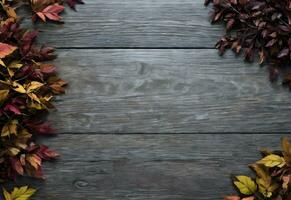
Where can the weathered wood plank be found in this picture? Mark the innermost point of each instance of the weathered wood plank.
(134, 23)
(167, 91)
(148, 167)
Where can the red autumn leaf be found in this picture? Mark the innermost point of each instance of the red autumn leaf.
(48, 69)
(6, 50)
(47, 52)
(16, 165)
(27, 40)
(12, 108)
(45, 153)
(51, 12)
(41, 128)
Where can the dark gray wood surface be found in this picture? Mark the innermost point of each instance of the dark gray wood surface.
(148, 166)
(148, 67)
(167, 91)
(135, 23)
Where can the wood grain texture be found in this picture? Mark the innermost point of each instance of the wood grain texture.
(148, 167)
(167, 91)
(134, 23)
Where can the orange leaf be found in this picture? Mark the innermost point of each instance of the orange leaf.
(6, 49)
(232, 197)
(41, 15)
(34, 160)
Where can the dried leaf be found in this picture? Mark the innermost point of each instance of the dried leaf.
(6, 194)
(21, 193)
(272, 161)
(245, 185)
(51, 12)
(3, 95)
(9, 128)
(233, 197)
(6, 50)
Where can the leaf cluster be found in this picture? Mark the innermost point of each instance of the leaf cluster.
(28, 85)
(273, 177)
(257, 28)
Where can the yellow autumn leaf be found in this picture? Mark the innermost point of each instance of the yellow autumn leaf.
(34, 85)
(19, 193)
(18, 88)
(266, 188)
(272, 160)
(3, 95)
(22, 137)
(34, 97)
(47, 98)
(2, 63)
(6, 194)
(10, 72)
(36, 106)
(22, 193)
(245, 185)
(13, 151)
(10, 12)
(15, 64)
(9, 128)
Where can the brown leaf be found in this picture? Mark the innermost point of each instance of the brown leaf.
(6, 50)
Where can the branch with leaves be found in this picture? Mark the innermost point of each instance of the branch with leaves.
(259, 29)
(273, 177)
(28, 84)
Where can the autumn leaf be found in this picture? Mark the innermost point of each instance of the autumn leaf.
(248, 198)
(18, 87)
(232, 197)
(9, 128)
(10, 11)
(245, 185)
(17, 166)
(6, 50)
(51, 12)
(34, 85)
(266, 188)
(272, 161)
(3, 95)
(15, 64)
(12, 108)
(6, 194)
(19, 193)
(34, 160)
(13, 151)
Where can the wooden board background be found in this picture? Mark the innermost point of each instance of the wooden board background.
(152, 112)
